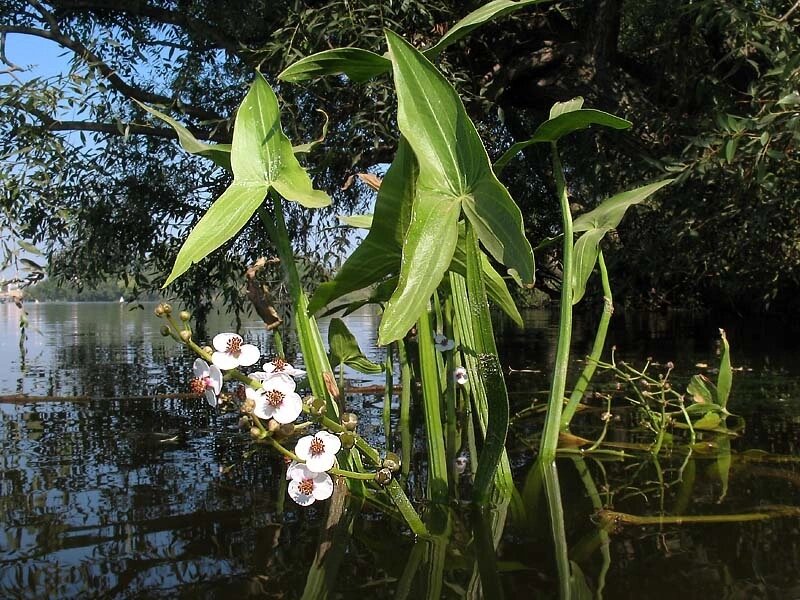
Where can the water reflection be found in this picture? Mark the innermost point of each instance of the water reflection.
(122, 498)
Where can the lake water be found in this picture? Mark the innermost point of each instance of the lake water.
(108, 492)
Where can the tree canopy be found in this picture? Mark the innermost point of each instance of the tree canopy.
(101, 188)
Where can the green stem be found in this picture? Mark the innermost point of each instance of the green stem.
(405, 408)
(549, 442)
(387, 396)
(334, 471)
(552, 491)
(597, 348)
(432, 398)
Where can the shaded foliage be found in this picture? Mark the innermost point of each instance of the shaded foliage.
(708, 85)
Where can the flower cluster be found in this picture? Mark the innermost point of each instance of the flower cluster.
(275, 399)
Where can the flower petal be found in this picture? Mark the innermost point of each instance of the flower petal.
(249, 355)
(290, 469)
(288, 410)
(211, 398)
(321, 462)
(216, 378)
(220, 341)
(323, 487)
(279, 381)
(303, 447)
(200, 368)
(297, 496)
(300, 472)
(332, 442)
(224, 361)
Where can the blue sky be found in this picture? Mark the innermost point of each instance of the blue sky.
(45, 57)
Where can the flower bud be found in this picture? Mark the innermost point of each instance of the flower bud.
(384, 476)
(255, 432)
(318, 407)
(286, 429)
(186, 335)
(248, 406)
(164, 330)
(392, 462)
(167, 308)
(273, 426)
(185, 315)
(208, 350)
(348, 439)
(159, 311)
(349, 421)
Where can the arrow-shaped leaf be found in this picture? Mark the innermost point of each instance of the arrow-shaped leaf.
(565, 117)
(454, 170)
(357, 64)
(261, 158)
(220, 154)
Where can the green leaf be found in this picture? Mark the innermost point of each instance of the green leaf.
(585, 256)
(596, 223)
(29, 248)
(427, 252)
(261, 158)
(725, 377)
(378, 256)
(566, 120)
(357, 64)
(560, 108)
(357, 221)
(730, 149)
(699, 391)
(709, 421)
(610, 212)
(790, 99)
(226, 217)
(454, 166)
(479, 16)
(219, 154)
(344, 349)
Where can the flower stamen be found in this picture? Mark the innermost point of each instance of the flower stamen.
(234, 346)
(275, 397)
(317, 447)
(279, 364)
(197, 385)
(306, 487)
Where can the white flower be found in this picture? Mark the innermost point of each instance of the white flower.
(460, 375)
(442, 343)
(306, 486)
(279, 366)
(207, 380)
(278, 400)
(231, 352)
(319, 451)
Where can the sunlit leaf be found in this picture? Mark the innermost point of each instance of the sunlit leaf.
(610, 212)
(261, 158)
(710, 420)
(357, 64)
(454, 172)
(357, 221)
(220, 154)
(481, 15)
(427, 252)
(567, 119)
(29, 248)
